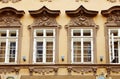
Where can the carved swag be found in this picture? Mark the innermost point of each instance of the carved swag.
(81, 17)
(10, 17)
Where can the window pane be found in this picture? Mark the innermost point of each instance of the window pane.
(114, 32)
(12, 33)
(49, 32)
(87, 51)
(76, 33)
(2, 51)
(115, 58)
(49, 51)
(3, 34)
(39, 33)
(12, 53)
(77, 51)
(86, 32)
(39, 54)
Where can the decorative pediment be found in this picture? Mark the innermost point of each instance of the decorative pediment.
(113, 1)
(10, 17)
(13, 1)
(81, 17)
(45, 17)
(113, 16)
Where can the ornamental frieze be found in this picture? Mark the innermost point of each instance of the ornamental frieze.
(13, 1)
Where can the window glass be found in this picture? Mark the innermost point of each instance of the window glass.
(82, 46)
(8, 46)
(114, 45)
(44, 48)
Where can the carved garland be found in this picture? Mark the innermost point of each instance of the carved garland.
(43, 70)
(82, 70)
(10, 70)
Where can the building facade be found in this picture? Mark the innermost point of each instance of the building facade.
(59, 39)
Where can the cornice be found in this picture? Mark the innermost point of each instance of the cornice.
(44, 10)
(81, 11)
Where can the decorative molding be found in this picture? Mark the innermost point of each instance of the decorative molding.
(82, 70)
(10, 17)
(82, 0)
(81, 17)
(115, 69)
(9, 70)
(43, 70)
(45, 17)
(113, 16)
(13, 1)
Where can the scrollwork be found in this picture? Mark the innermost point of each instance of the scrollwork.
(81, 70)
(43, 70)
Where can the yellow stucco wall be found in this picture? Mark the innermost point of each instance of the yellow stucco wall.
(62, 20)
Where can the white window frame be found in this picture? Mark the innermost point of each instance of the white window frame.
(7, 40)
(111, 45)
(44, 39)
(81, 39)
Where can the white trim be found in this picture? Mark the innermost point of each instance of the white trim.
(45, 39)
(81, 39)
